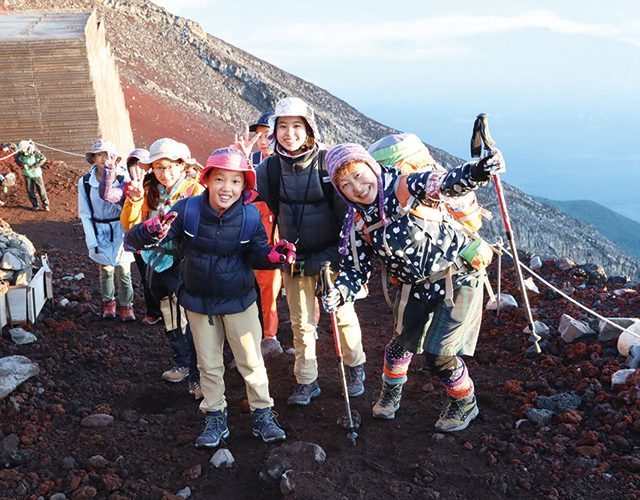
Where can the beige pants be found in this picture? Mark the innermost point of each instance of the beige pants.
(243, 332)
(301, 299)
(170, 312)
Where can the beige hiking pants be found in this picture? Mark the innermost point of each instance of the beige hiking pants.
(301, 300)
(243, 332)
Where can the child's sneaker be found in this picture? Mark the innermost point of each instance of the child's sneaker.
(266, 426)
(151, 320)
(176, 374)
(127, 314)
(215, 429)
(109, 309)
(196, 389)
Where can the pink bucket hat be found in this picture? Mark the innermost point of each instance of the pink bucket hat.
(140, 154)
(232, 160)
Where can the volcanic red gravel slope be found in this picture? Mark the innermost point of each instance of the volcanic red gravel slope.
(92, 366)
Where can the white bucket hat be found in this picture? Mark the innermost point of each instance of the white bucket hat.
(294, 106)
(169, 149)
(102, 146)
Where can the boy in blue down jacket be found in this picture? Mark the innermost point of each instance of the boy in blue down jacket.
(439, 267)
(221, 240)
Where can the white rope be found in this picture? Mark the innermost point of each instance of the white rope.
(9, 156)
(585, 308)
(59, 150)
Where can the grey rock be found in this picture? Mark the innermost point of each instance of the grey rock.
(11, 262)
(287, 484)
(608, 332)
(184, 493)
(58, 496)
(539, 416)
(222, 457)
(571, 329)
(535, 263)
(14, 370)
(68, 463)
(506, 300)
(97, 420)
(299, 455)
(620, 377)
(10, 443)
(564, 264)
(558, 403)
(541, 329)
(21, 336)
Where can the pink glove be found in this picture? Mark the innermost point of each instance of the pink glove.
(159, 226)
(282, 252)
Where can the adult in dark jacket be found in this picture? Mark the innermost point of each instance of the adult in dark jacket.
(294, 186)
(218, 287)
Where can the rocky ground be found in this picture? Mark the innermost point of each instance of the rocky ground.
(586, 448)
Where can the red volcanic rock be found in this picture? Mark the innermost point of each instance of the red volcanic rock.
(513, 386)
(570, 417)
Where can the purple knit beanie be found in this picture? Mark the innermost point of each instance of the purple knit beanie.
(339, 155)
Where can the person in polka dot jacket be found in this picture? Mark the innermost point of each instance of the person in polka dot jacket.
(438, 265)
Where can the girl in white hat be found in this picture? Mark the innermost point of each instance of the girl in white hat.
(147, 197)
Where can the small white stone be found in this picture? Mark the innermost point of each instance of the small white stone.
(620, 377)
(222, 457)
(79, 276)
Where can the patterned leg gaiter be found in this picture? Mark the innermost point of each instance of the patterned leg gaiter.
(458, 384)
(396, 363)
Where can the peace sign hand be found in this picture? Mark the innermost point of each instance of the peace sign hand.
(135, 189)
(243, 143)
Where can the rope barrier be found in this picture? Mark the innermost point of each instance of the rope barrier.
(58, 150)
(583, 307)
(8, 156)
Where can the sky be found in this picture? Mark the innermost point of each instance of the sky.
(560, 80)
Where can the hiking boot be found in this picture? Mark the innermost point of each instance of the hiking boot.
(303, 394)
(388, 401)
(47, 209)
(196, 390)
(109, 309)
(35, 209)
(215, 429)
(176, 374)
(126, 314)
(457, 414)
(151, 320)
(355, 387)
(266, 426)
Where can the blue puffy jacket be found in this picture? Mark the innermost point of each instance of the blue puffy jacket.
(216, 274)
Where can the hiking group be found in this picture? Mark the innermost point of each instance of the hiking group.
(214, 245)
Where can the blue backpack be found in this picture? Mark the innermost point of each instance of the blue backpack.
(250, 221)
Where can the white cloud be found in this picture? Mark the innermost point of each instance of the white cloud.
(416, 40)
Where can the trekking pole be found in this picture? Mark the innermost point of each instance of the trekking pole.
(480, 138)
(326, 285)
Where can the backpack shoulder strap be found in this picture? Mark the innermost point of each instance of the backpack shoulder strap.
(273, 184)
(256, 157)
(191, 217)
(325, 181)
(250, 221)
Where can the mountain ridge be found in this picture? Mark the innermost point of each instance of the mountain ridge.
(215, 88)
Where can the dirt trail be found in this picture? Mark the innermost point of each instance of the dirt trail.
(92, 366)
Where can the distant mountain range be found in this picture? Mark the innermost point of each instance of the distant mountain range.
(623, 231)
(182, 82)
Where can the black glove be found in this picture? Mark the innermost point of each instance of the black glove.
(492, 164)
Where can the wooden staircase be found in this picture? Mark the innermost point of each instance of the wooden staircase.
(59, 84)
